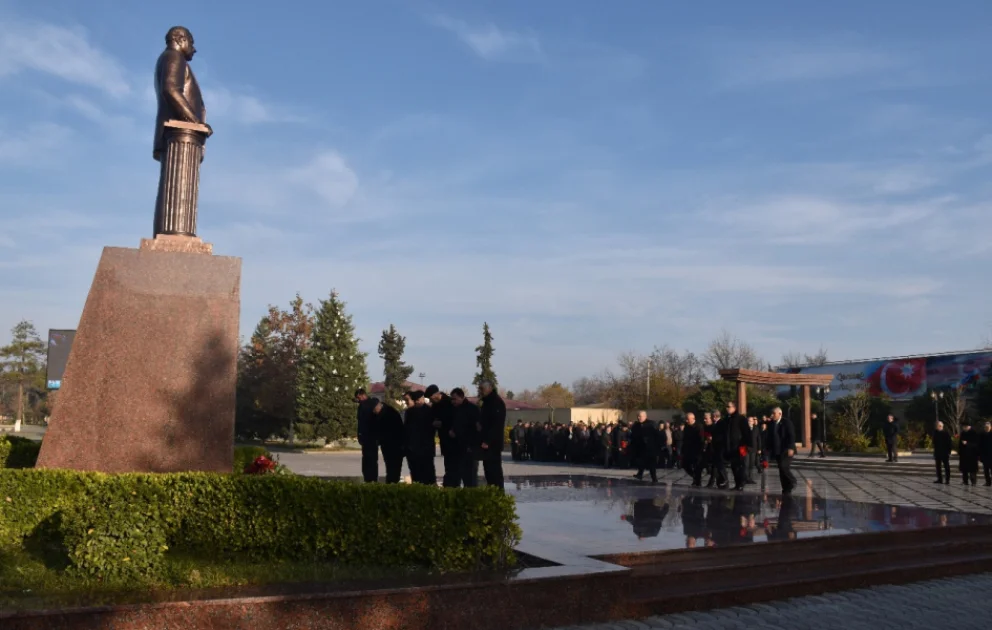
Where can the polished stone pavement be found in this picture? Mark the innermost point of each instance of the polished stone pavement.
(572, 514)
(898, 490)
(960, 603)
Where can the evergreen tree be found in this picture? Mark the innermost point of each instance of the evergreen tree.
(22, 363)
(331, 370)
(394, 371)
(484, 359)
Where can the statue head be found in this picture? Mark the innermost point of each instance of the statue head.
(179, 38)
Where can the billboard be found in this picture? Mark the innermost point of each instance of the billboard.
(59, 344)
(904, 378)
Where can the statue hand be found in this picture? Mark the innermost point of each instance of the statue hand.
(211, 130)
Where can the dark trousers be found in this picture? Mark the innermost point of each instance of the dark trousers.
(750, 463)
(943, 464)
(394, 465)
(468, 464)
(969, 475)
(492, 468)
(892, 450)
(370, 462)
(422, 468)
(719, 473)
(647, 462)
(785, 474)
(987, 468)
(452, 469)
(664, 460)
(694, 468)
(813, 449)
(737, 468)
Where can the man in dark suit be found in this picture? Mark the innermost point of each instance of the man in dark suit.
(368, 436)
(644, 443)
(737, 442)
(392, 439)
(985, 451)
(465, 424)
(493, 426)
(443, 412)
(783, 449)
(891, 433)
(692, 449)
(942, 453)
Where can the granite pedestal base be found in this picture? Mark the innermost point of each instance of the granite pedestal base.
(150, 381)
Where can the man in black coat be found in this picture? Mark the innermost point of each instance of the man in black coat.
(692, 449)
(738, 438)
(968, 444)
(718, 452)
(985, 452)
(816, 428)
(753, 448)
(392, 439)
(783, 448)
(518, 435)
(493, 429)
(942, 453)
(367, 436)
(444, 412)
(420, 431)
(644, 442)
(465, 424)
(891, 433)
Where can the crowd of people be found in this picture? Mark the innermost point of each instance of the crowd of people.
(745, 445)
(468, 433)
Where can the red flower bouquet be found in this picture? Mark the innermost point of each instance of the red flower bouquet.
(742, 451)
(260, 466)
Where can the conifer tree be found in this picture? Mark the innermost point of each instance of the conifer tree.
(331, 370)
(484, 359)
(394, 370)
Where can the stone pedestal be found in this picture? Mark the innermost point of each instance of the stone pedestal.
(150, 381)
(179, 180)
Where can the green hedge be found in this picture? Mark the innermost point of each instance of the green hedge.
(18, 452)
(244, 455)
(118, 526)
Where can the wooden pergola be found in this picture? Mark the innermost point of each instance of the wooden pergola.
(804, 381)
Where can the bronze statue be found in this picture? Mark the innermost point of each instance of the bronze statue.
(180, 134)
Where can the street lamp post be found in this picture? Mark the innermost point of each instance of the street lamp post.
(422, 376)
(936, 397)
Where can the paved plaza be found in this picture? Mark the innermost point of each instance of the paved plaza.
(960, 603)
(898, 490)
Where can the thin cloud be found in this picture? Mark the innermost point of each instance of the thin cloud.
(756, 64)
(35, 145)
(59, 51)
(491, 42)
(246, 109)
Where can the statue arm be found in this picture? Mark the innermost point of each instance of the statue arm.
(173, 84)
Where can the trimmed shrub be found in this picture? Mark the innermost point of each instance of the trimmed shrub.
(245, 455)
(18, 452)
(118, 526)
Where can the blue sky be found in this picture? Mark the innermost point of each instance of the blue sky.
(589, 177)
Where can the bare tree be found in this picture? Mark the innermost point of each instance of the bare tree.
(728, 352)
(855, 412)
(626, 388)
(955, 410)
(792, 360)
(589, 390)
(818, 359)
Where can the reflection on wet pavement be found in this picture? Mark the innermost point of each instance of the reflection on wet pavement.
(591, 516)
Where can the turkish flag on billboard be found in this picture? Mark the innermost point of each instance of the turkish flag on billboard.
(901, 379)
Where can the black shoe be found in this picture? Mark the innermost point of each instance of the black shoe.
(947, 483)
(939, 481)
(988, 483)
(710, 484)
(639, 477)
(722, 486)
(696, 485)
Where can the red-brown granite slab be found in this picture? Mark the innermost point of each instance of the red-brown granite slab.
(150, 381)
(177, 243)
